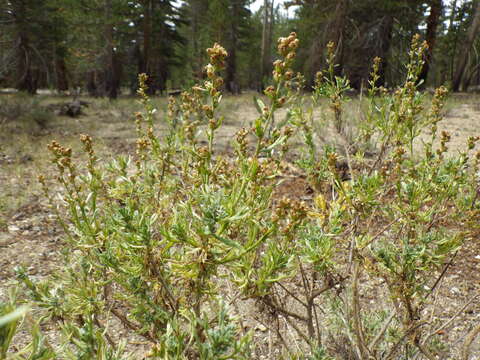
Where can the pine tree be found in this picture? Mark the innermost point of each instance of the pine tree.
(229, 25)
(360, 30)
(433, 20)
(267, 37)
(472, 33)
(35, 37)
(156, 23)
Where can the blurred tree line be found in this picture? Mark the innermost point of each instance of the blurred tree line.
(101, 45)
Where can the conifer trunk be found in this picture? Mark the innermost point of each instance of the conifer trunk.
(231, 62)
(25, 75)
(267, 34)
(387, 29)
(144, 64)
(336, 33)
(467, 45)
(111, 79)
(61, 74)
(433, 20)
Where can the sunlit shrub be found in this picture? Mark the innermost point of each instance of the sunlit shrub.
(168, 243)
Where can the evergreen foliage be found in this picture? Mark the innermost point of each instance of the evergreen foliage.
(102, 45)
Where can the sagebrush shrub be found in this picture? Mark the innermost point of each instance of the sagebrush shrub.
(170, 243)
(24, 109)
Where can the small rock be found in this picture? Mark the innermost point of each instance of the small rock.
(13, 228)
(261, 328)
(18, 216)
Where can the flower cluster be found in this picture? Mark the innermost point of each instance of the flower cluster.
(217, 56)
(287, 49)
(62, 156)
(214, 82)
(293, 212)
(438, 102)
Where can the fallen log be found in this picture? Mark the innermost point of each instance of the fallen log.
(174, 92)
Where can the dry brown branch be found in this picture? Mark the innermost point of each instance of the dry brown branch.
(469, 340)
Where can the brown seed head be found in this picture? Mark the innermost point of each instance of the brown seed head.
(217, 55)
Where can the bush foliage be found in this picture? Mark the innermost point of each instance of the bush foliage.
(186, 248)
(25, 109)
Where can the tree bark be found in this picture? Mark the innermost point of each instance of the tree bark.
(198, 9)
(467, 46)
(61, 74)
(336, 30)
(267, 30)
(451, 27)
(25, 74)
(436, 8)
(145, 63)
(92, 87)
(231, 62)
(111, 77)
(386, 41)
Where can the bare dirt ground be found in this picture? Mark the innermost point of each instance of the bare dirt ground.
(30, 236)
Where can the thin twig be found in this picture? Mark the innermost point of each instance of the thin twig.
(317, 324)
(283, 311)
(131, 325)
(350, 336)
(292, 294)
(444, 325)
(442, 274)
(349, 160)
(279, 335)
(306, 284)
(378, 234)
(357, 321)
(395, 347)
(327, 287)
(426, 352)
(469, 340)
(107, 335)
(297, 329)
(374, 343)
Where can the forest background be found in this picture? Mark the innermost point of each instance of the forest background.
(101, 46)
